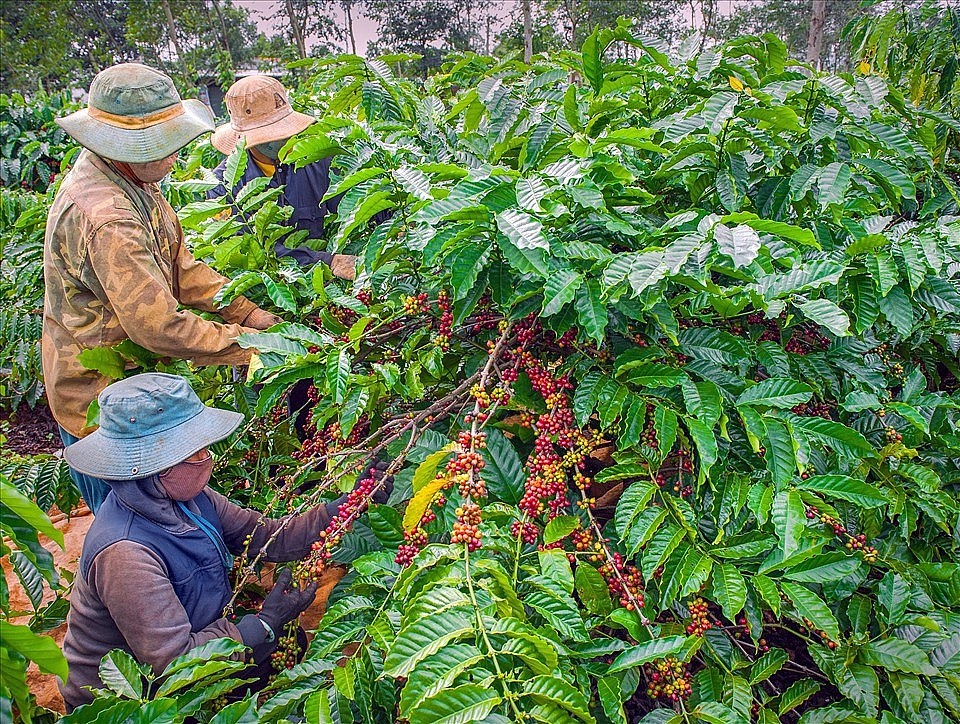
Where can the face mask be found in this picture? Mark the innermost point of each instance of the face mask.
(185, 480)
(271, 149)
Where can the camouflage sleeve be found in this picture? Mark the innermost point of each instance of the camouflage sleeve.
(197, 285)
(120, 254)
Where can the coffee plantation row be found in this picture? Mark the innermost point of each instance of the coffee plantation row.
(663, 353)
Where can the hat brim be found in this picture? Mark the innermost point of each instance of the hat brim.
(139, 145)
(113, 458)
(225, 138)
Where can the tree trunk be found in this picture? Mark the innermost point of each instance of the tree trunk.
(818, 14)
(223, 31)
(527, 32)
(572, 11)
(172, 30)
(295, 29)
(708, 12)
(348, 10)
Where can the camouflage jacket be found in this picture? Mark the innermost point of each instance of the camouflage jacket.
(115, 267)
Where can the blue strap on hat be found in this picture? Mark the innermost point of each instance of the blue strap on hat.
(212, 533)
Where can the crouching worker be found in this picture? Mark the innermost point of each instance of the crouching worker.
(152, 577)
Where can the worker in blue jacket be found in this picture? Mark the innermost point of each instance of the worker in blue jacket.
(261, 114)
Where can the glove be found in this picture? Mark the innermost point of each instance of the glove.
(285, 602)
(282, 605)
(375, 469)
(260, 319)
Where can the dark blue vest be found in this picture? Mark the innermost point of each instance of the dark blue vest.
(303, 189)
(193, 563)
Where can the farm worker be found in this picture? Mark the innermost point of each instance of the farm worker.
(261, 114)
(152, 577)
(115, 264)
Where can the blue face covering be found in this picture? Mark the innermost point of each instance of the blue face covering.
(271, 149)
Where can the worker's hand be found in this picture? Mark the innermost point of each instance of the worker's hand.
(285, 602)
(260, 319)
(375, 469)
(344, 266)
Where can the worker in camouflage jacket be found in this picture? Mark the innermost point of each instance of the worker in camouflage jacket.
(261, 115)
(115, 263)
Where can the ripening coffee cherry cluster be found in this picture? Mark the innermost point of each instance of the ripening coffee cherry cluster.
(415, 304)
(413, 541)
(329, 439)
(892, 435)
(568, 339)
(770, 327)
(649, 435)
(466, 529)
(582, 539)
(528, 532)
(285, 655)
(466, 440)
(806, 339)
(699, 617)
(445, 328)
(480, 396)
(364, 296)
(483, 320)
(668, 679)
(356, 503)
(852, 542)
(889, 358)
(822, 634)
(560, 447)
(527, 329)
(464, 468)
(813, 409)
(624, 581)
(345, 316)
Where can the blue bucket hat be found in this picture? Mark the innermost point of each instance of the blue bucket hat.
(148, 423)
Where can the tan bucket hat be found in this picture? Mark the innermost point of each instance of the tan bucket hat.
(135, 115)
(260, 112)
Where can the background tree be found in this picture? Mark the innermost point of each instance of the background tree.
(51, 44)
(431, 29)
(566, 23)
(310, 25)
(818, 15)
(790, 20)
(195, 40)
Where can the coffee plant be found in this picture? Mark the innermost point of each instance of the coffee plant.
(664, 355)
(22, 215)
(23, 642)
(32, 146)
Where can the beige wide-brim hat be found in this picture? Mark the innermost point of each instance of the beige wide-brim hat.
(260, 112)
(135, 115)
